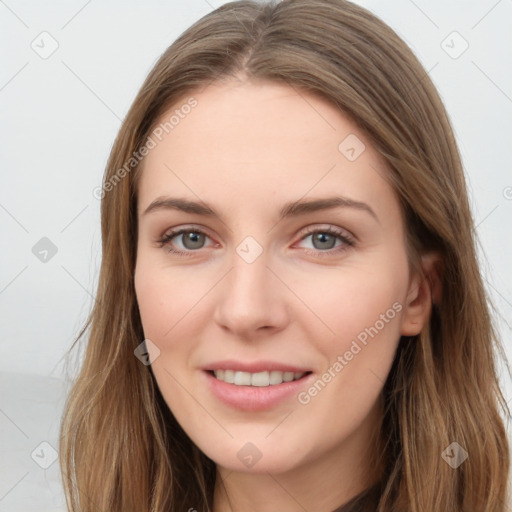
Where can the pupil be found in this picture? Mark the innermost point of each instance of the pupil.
(322, 238)
(194, 239)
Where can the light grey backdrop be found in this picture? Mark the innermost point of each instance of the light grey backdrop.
(69, 73)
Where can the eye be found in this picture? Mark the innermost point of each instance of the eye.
(191, 239)
(324, 241)
(327, 241)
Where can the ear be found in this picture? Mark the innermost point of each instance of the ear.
(424, 290)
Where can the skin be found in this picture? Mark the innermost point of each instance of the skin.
(246, 149)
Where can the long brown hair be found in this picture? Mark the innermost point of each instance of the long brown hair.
(121, 448)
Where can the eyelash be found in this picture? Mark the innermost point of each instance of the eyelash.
(348, 241)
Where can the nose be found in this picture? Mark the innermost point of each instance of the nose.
(252, 301)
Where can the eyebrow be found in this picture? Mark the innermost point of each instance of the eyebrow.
(291, 209)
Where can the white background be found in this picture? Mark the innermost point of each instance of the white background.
(59, 119)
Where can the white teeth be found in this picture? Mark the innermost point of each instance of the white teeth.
(288, 376)
(259, 379)
(276, 378)
(242, 379)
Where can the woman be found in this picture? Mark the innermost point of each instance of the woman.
(290, 314)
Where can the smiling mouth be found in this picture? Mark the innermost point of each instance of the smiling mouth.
(257, 379)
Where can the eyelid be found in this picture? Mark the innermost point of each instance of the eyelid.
(328, 228)
(185, 227)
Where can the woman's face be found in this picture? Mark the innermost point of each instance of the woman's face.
(292, 265)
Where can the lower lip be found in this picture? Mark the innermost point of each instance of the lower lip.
(255, 398)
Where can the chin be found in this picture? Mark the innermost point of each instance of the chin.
(257, 457)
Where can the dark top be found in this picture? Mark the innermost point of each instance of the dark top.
(366, 501)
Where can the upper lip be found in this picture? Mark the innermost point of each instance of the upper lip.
(254, 366)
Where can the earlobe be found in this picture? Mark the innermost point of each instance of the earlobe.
(424, 291)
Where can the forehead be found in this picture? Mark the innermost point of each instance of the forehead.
(252, 139)
(235, 114)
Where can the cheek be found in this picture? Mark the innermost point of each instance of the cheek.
(165, 303)
(351, 303)
(370, 318)
(166, 299)
(364, 311)
(356, 328)
(152, 300)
